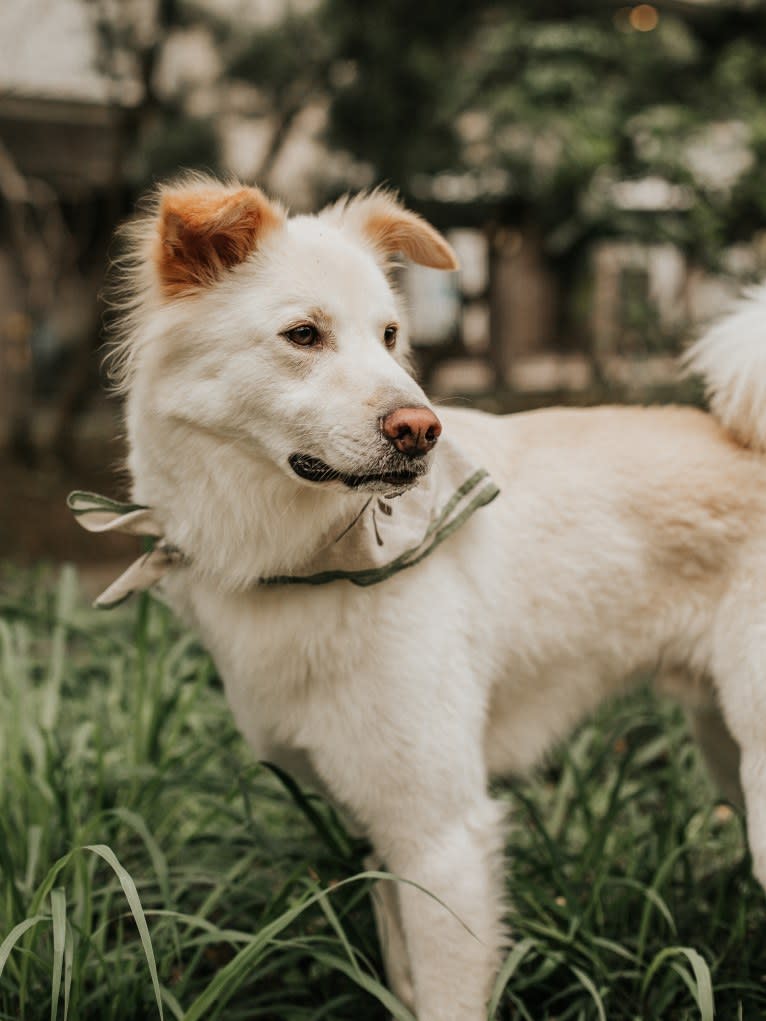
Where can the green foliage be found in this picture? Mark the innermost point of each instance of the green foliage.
(572, 107)
(177, 142)
(537, 109)
(148, 865)
(136, 832)
(534, 110)
(394, 109)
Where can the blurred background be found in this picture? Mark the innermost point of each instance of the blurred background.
(597, 165)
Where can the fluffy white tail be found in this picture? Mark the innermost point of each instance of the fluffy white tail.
(731, 357)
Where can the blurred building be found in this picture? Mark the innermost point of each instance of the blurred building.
(64, 126)
(633, 306)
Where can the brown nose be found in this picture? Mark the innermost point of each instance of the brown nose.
(413, 431)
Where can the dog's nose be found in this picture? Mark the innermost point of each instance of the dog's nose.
(413, 431)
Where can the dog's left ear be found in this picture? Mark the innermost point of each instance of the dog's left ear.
(390, 228)
(205, 228)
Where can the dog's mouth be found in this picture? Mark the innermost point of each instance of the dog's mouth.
(313, 469)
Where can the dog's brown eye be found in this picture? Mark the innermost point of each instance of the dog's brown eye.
(389, 335)
(304, 335)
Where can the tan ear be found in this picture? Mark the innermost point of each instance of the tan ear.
(391, 228)
(205, 229)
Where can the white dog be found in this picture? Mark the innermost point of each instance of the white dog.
(387, 629)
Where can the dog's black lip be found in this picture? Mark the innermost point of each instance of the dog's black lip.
(315, 470)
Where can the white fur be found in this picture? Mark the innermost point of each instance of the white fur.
(732, 359)
(623, 540)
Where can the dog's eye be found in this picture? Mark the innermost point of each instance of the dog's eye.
(389, 335)
(304, 335)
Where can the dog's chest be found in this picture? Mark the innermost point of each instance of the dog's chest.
(282, 650)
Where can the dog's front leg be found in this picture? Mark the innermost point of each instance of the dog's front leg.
(388, 923)
(451, 910)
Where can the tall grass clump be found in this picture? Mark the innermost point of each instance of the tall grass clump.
(150, 868)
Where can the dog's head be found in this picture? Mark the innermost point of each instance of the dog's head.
(286, 333)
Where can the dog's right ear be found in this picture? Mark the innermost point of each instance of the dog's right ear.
(206, 228)
(388, 227)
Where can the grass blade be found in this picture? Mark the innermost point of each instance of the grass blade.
(131, 895)
(15, 935)
(58, 918)
(512, 962)
(368, 983)
(68, 964)
(704, 983)
(588, 984)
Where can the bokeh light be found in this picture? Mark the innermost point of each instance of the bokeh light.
(644, 18)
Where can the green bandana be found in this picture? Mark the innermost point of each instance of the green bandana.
(388, 535)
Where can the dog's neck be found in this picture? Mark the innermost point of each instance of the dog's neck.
(226, 507)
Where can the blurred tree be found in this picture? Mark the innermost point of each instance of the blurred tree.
(566, 120)
(59, 234)
(541, 109)
(576, 108)
(399, 81)
(290, 65)
(382, 70)
(133, 38)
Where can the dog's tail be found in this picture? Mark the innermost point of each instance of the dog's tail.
(731, 357)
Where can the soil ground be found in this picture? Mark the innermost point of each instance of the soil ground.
(35, 523)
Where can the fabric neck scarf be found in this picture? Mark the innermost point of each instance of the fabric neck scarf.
(388, 535)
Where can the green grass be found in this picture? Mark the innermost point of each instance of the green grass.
(145, 859)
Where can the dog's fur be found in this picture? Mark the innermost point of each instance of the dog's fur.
(624, 540)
